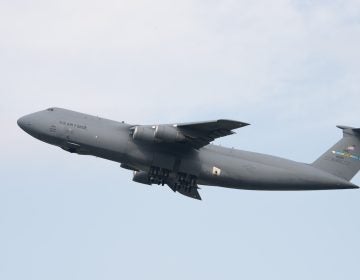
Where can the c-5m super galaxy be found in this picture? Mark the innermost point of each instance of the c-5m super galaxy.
(180, 155)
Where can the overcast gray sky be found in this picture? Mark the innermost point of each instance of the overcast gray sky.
(290, 68)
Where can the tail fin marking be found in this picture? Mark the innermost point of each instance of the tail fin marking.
(343, 159)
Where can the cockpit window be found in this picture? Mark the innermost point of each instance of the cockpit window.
(50, 109)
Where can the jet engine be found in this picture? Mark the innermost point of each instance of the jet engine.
(160, 133)
(168, 134)
(143, 133)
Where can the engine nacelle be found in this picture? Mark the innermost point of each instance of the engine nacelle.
(144, 133)
(168, 134)
(141, 177)
(160, 133)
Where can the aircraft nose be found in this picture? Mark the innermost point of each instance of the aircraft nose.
(25, 123)
(34, 124)
(22, 122)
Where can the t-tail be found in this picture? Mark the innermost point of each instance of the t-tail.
(343, 159)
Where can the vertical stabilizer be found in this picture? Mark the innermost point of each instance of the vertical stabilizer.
(343, 159)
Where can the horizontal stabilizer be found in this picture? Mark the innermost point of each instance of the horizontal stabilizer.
(350, 130)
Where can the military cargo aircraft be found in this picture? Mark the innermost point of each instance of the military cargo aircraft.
(181, 155)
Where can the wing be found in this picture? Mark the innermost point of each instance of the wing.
(202, 133)
(195, 135)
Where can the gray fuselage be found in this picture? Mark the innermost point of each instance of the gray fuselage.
(211, 165)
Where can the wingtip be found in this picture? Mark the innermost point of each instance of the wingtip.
(239, 123)
(343, 127)
(351, 186)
